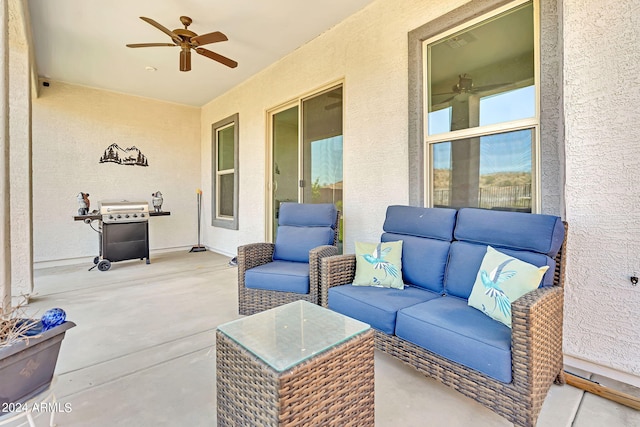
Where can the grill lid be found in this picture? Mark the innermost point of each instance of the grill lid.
(123, 210)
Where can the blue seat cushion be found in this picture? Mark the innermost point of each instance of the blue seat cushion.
(449, 327)
(424, 260)
(285, 276)
(465, 260)
(376, 306)
(434, 223)
(512, 230)
(294, 243)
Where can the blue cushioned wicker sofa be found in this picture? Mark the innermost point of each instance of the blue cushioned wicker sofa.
(429, 324)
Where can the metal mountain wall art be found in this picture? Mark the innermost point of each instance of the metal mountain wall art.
(131, 156)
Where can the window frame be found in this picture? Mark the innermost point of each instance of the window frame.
(532, 123)
(549, 152)
(217, 220)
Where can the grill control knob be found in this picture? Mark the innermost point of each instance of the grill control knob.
(126, 216)
(141, 215)
(110, 216)
(119, 216)
(135, 215)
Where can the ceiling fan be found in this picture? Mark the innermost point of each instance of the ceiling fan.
(465, 85)
(187, 40)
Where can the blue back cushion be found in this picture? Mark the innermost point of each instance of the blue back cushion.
(308, 214)
(532, 238)
(303, 227)
(514, 230)
(426, 234)
(465, 259)
(424, 261)
(434, 223)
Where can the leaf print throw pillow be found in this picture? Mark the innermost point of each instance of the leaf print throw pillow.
(501, 280)
(379, 264)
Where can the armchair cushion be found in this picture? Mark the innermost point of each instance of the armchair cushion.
(308, 214)
(302, 227)
(375, 306)
(449, 327)
(294, 243)
(285, 276)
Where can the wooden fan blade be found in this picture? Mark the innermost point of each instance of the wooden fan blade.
(176, 38)
(150, 44)
(203, 39)
(217, 57)
(185, 60)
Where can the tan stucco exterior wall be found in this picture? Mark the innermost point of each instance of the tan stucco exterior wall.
(601, 92)
(20, 151)
(72, 126)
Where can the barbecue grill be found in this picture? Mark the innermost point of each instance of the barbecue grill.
(125, 232)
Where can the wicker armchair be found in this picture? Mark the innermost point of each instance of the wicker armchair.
(271, 274)
(536, 347)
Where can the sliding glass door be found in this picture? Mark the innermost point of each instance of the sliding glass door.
(306, 153)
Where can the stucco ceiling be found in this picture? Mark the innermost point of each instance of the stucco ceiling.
(83, 41)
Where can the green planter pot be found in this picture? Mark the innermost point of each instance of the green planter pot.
(26, 367)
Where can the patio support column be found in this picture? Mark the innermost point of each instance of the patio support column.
(20, 177)
(5, 219)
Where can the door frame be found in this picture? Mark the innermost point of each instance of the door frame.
(269, 113)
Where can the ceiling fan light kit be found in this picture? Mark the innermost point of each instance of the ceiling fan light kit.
(187, 40)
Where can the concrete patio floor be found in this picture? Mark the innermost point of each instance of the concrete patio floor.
(143, 354)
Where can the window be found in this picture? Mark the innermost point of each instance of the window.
(482, 125)
(225, 173)
(479, 130)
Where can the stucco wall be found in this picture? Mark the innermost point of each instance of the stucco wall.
(20, 153)
(72, 126)
(601, 67)
(369, 52)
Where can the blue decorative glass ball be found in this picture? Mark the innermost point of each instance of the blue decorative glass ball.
(52, 318)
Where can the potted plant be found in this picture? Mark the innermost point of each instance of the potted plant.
(28, 353)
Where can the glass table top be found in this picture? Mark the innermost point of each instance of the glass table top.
(288, 335)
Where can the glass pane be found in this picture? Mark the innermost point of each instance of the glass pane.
(225, 194)
(285, 160)
(322, 145)
(288, 335)
(490, 172)
(480, 74)
(226, 142)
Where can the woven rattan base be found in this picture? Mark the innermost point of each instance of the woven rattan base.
(335, 388)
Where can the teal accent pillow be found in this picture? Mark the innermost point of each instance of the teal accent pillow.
(501, 280)
(379, 264)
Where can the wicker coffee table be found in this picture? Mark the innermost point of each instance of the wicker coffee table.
(297, 364)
